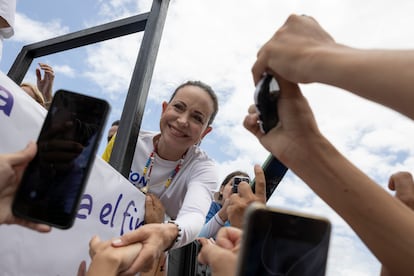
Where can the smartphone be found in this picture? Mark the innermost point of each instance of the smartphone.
(236, 181)
(280, 242)
(274, 171)
(266, 96)
(54, 180)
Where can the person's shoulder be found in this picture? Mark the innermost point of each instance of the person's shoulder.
(146, 134)
(144, 141)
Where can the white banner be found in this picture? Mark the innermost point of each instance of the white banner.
(110, 205)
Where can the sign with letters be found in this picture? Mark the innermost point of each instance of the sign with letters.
(110, 205)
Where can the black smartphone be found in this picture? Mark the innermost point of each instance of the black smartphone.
(266, 96)
(54, 180)
(280, 242)
(236, 181)
(274, 171)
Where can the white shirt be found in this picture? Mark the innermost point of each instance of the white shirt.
(188, 198)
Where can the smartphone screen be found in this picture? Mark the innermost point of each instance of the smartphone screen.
(277, 242)
(274, 171)
(54, 180)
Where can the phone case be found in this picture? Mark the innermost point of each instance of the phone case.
(281, 242)
(54, 180)
(274, 171)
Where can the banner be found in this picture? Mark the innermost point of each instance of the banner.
(110, 205)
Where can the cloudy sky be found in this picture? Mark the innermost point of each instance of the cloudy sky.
(216, 41)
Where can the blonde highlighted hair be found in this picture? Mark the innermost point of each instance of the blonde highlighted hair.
(38, 96)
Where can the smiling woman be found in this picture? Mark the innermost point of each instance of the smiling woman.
(170, 165)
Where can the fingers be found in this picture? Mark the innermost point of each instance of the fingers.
(251, 124)
(47, 69)
(94, 245)
(400, 178)
(244, 190)
(94, 242)
(260, 66)
(143, 263)
(41, 228)
(38, 74)
(403, 185)
(154, 210)
(127, 238)
(149, 203)
(229, 237)
(156, 202)
(23, 156)
(203, 256)
(260, 186)
(49, 75)
(82, 269)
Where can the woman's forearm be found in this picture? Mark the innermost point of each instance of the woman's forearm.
(383, 76)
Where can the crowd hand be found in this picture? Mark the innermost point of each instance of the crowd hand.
(154, 213)
(154, 210)
(155, 239)
(290, 51)
(12, 167)
(222, 254)
(403, 185)
(296, 128)
(108, 260)
(239, 202)
(45, 84)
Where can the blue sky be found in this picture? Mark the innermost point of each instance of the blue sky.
(216, 41)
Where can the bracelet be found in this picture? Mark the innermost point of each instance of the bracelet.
(219, 223)
(178, 235)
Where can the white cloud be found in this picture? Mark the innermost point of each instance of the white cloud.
(29, 31)
(110, 63)
(64, 70)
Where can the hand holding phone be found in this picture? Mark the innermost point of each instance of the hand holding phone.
(274, 171)
(266, 96)
(54, 180)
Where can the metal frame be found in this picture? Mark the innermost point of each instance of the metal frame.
(152, 23)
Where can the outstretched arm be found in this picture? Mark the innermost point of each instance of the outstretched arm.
(302, 52)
